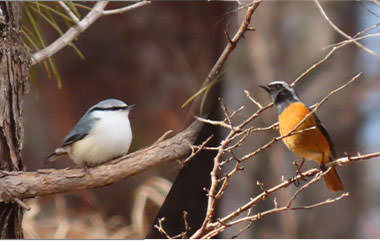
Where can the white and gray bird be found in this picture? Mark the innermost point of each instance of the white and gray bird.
(103, 133)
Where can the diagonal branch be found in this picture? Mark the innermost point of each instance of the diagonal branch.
(338, 30)
(70, 34)
(221, 224)
(125, 9)
(231, 45)
(96, 12)
(49, 181)
(69, 12)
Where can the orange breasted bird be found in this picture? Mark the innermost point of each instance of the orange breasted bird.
(312, 144)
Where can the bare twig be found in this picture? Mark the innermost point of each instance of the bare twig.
(231, 44)
(315, 65)
(251, 219)
(336, 47)
(196, 149)
(376, 2)
(164, 136)
(70, 34)
(161, 229)
(327, 201)
(126, 8)
(218, 185)
(213, 122)
(215, 228)
(316, 178)
(69, 12)
(356, 38)
(293, 131)
(338, 30)
(80, 26)
(252, 99)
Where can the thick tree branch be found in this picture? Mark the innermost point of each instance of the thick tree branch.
(48, 181)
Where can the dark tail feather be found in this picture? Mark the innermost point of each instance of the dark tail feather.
(55, 155)
(333, 181)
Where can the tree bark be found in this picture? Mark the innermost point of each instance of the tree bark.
(50, 181)
(14, 69)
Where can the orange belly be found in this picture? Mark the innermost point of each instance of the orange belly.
(310, 144)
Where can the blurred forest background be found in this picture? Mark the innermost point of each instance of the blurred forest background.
(156, 57)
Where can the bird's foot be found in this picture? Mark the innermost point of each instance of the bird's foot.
(86, 169)
(322, 166)
(299, 172)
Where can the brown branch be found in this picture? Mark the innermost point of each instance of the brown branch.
(231, 45)
(327, 201)
(45, 182)
(215, 227)
(260, 215)
(294, 130)
(96, 12)
(375, 2)
(126, 8)
(336, 47)
(214, 193)
(161, 229)
(338, 30)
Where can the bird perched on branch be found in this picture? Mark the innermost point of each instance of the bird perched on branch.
(312, 143)
(103, 133)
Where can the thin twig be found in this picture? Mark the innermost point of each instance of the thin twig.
(96, 12)
(161, 229)
(231, 45)
(327, 201)
(198, 149)
(69, 12)
(316, 178)
(371, 35)
(252, 99)
(164, 136)
(338, 30)
(70, 34)
(126, 8)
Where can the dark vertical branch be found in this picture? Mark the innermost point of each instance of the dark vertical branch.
(14, 66)
(187, 192)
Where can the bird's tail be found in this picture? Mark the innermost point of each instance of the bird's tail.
(56, 154)
(333, 181)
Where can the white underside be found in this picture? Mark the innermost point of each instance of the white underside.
(111, 137)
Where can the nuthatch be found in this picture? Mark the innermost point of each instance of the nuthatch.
(103, 133)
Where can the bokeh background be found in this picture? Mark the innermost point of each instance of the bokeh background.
(157, 57)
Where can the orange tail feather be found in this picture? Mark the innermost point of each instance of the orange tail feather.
(333, 181)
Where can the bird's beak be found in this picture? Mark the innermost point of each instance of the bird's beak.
(130, 107)
(266, 88)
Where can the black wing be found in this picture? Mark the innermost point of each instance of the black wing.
(70, 139)
(80, 130)
(325, 134)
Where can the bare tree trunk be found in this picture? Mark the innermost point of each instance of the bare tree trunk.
(14, 68)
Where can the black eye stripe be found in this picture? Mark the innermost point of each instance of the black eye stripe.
(109, 108)
(276, 86)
